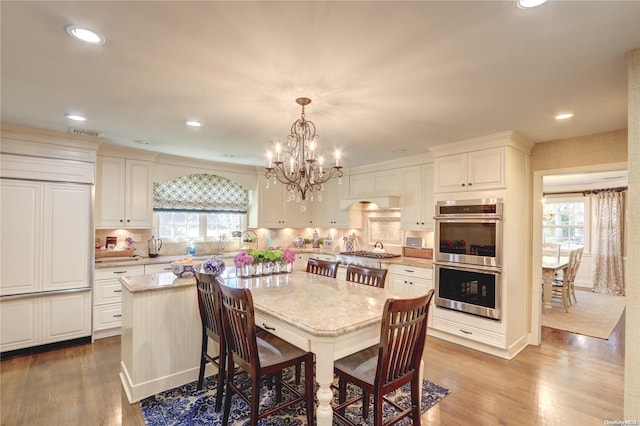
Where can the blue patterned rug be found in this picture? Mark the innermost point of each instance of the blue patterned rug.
(185, 405)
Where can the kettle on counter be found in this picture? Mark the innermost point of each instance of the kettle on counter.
(155, 244)
(378, 247)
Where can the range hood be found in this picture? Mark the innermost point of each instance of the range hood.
(382, 202)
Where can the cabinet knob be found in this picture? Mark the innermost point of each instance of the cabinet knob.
(121, 221)
(128, 220)
(470, 183)
(463, 184)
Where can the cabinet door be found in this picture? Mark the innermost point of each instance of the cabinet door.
(297, 214)
(20, 323)
(428, 200)
(138, 210)
(327, 213)
(411, 181)
(450, 173)
(486, 169)
(398, 283)
(66, 240)
(110, 186)
(66, 316)
(20, 210)
(271, 201)
(361, 185)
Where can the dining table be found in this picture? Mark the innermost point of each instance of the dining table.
(330, 317)
(550, 266)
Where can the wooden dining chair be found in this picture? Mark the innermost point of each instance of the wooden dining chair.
(551, 250)
(262, 355)
(390, 364)
(369, 276)
(565, 287)
(210, 306)
(322, 267)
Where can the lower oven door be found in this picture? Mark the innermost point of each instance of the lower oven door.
(473, 290)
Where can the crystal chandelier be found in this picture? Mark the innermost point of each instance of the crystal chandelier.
(299, 164)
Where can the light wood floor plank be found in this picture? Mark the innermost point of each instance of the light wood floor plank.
(569, 379)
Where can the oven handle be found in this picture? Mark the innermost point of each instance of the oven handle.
(468, 218)
(451, 265)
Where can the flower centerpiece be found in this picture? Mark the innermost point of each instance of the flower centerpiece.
(258, 259)
(244, 263)
(289, 257)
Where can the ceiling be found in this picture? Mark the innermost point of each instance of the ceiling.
(387, 79)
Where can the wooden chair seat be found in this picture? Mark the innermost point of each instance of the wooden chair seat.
(385, 367)
(262, 356)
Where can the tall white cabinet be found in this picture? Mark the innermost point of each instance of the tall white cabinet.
(46, 239)
(124, 193)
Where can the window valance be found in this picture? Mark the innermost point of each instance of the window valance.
(200, 193)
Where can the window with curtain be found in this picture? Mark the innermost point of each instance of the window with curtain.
(199, 207)
(565, 221)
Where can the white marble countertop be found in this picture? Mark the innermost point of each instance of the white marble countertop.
(293, 297)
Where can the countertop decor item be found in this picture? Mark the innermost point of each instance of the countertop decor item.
(185, 267)
(214, 266)
(299, 164)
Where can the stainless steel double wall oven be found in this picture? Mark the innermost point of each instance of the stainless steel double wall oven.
(468, 256)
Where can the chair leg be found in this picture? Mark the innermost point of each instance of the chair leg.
(297, 374)
(377, 408)
(278, 378)
(308, 387)
(365, 404)
(415, 400)
(222, 359)
(229, 390)
(203, 360)
(342, 393)
(565, 297)
(255, 400)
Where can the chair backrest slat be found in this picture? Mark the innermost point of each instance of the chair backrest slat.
(402, 337)
(209, 302)
(240, 327)
(322, 267)
(370, 276)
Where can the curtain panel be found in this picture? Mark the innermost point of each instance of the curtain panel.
(608, 273)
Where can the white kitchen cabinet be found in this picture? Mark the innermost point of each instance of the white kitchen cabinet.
(327, 213)
(39, 319)
(384, 182)
(300, 264)
(274, 211)
(45, 236)
(124, 193)
(412, 280)
(107, 301)
(417, 201)
(470, 171)
(156, 268)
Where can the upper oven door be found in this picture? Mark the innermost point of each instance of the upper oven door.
(475, 241)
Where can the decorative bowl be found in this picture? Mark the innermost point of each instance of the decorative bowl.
(214, 266)
(186, 267)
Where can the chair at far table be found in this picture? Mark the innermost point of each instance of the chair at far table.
(322, 267)
(369, 276)
(389, 365)
(210, 306)
(551, 250)
(261, 356)
(565, 286)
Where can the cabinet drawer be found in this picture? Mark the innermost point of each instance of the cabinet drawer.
(107, 316)
(470, 332)
(119, 271)
(325, 257)
(107, 291)
(411, 271)
(160, 267)
(283, 332)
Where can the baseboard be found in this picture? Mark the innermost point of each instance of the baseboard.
(45, 348)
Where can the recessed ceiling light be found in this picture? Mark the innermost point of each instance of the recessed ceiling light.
(228, 155)
(527, 4)
(564, 116)
(141, 142)
(193, 123)
(84, 34)
(75, 117)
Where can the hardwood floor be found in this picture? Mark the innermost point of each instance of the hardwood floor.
(569, 379)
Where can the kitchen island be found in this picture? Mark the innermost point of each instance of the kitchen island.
(161, 326)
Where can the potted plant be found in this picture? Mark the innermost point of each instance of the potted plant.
(244, 264)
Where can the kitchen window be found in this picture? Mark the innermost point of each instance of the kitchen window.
(566, 221)
(197, 226)
(199, 207)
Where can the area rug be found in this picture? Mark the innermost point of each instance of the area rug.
(594, 315)
(186, 406)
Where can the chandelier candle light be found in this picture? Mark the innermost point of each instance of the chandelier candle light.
(296, 164)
